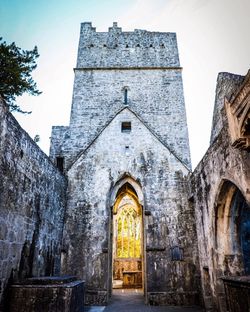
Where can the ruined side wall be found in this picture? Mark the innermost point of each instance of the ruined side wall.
(169, 220)
(221, 162)
(32, 205)
(226, 85)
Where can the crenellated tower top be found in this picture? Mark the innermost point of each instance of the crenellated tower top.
(115, 48)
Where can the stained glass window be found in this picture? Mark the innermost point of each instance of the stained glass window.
(128, 236)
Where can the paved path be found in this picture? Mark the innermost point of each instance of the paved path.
(132, 301)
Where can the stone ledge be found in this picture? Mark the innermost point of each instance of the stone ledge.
(48, 280)
(65, 297)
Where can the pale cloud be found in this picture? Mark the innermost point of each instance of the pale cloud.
(142, 13)
(213, 36)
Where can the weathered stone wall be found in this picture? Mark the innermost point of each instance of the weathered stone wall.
(48, 294)
(155, 90)
(221, 164)
(226, 86)
(32, 206)
(116, 48)
(168, 216)
(155, 153)
(155, 95)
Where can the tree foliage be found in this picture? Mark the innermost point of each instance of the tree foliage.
(16, 66)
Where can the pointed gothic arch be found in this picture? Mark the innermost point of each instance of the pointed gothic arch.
(127, 234)
(232, 235)
(232, 228)
(244, 124)
(126, 179)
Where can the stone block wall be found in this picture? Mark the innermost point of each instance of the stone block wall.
(146, 64)
(48, 294)
(155, 95)
(226, 86)
(116, 48)
(132, 77)
(32, 206)
(169, 220)
(222, 171)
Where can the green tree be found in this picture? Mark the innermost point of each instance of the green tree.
(16, 66)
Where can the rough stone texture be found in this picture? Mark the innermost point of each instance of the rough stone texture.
(155, 91)
(171, 222)
(116, 48)
(154, 156)
(221, 172)
(32, 206)
(48, 294)
(238, 115)
(238, 293)
(226, 86)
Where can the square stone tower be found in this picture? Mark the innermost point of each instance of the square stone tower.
(115, 69)
(126, 156)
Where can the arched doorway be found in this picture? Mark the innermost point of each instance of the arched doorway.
(127, 239)
(232, 231)
(232, 238)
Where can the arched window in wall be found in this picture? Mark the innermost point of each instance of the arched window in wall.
(128, 232)
(245, 130)
(127, 238)
(233, 231)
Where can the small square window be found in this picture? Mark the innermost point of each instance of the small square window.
(126, 126)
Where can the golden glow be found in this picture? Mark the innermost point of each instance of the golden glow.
(127, 225)
(128, 240)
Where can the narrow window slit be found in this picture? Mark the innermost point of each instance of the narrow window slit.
(60, 163)
(125, 96)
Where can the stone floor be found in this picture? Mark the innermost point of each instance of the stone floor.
(132, 301)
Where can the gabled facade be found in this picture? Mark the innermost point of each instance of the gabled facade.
(127, 210)
(126, 154)
(115, 69)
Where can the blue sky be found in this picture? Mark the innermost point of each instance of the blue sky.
(213, 36)
(29, 21)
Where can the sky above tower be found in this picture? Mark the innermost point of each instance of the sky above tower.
(213, 36)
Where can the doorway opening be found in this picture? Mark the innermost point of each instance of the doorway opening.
(233, 231)
(127, 257)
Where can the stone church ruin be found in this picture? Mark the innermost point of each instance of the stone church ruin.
(116, 203)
